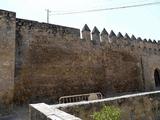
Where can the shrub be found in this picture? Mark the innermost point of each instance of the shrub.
(107, 113)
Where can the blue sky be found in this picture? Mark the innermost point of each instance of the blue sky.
(142, 22)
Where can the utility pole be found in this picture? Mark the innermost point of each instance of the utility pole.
(48, 14)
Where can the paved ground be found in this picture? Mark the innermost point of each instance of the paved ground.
(19, 113)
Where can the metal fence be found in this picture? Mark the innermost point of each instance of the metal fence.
(80, 97)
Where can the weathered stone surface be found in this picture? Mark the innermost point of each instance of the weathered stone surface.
(7, 60)
(86, 35)
(52, 61)
(141, 106)
(96, 36)
(48, 65)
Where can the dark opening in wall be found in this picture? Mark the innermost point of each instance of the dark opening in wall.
(157, 77)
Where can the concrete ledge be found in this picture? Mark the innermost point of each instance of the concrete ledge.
(133, 107)
(106, 99)
(43, 111)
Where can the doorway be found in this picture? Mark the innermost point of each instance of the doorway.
(157, 77)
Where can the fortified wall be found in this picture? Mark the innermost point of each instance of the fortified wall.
(43, 62)
(7, 59)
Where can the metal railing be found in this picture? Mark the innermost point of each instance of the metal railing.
(80, 97)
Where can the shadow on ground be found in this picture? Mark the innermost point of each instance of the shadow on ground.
(19, 113)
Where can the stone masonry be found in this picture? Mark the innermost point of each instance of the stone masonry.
(7, 59)
(41, 62)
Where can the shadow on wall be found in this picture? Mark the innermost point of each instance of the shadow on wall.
(157, 78)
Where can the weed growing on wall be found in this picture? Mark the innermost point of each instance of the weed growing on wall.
(107, 113)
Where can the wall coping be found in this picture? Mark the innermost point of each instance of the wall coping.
(104, 100)
(50, 113)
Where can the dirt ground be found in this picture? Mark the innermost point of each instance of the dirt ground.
(19, 113)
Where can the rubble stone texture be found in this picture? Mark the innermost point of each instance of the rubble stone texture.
(141, 106)
(52, 61)
(7, 59)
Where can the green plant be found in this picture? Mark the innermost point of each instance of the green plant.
(107, 113)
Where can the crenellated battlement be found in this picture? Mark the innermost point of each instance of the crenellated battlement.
(97, 38)
(39, 61)
(120, 41)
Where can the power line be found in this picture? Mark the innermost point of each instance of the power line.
(136, 2)
(107, 9)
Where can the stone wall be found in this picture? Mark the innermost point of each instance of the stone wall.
(51, 59)
(141, 106)
(41, 54)
(45, 112)
(7, 59)
(150, 64)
